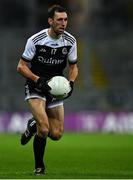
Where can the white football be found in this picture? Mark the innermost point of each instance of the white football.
(60, 87)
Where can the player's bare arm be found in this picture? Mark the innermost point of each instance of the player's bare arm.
(73, 72)
(24, 70)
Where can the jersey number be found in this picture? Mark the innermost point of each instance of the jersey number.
(53, 51)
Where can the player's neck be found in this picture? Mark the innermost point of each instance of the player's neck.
(52, 34)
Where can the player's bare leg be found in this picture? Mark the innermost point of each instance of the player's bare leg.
(56, 122)
(37, 107)
(56, 128)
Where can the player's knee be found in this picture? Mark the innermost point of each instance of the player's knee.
(43, 131)
(56, 135)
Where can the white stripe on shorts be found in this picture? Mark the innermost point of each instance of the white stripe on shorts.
(50, 105)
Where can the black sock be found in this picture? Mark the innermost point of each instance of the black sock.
(39, 149)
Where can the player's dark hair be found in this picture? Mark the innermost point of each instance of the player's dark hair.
(55, 8)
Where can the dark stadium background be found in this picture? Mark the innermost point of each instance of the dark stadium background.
(102, 100)
(103, 29)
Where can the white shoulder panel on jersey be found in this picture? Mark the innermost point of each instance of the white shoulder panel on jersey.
(39, 36)
(69, 38)
(30, 48)
(72, 55)
(29, 51)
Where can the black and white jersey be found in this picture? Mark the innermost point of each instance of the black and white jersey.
(47, 56)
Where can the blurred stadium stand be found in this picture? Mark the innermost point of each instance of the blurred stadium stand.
(105, 37)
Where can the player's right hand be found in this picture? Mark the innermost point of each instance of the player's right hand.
(42, 84)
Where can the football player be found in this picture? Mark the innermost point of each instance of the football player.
(47, 54)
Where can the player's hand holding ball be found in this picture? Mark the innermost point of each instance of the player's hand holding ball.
(71, 85)
(42, 84)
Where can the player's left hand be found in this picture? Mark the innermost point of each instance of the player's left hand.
(70, 93)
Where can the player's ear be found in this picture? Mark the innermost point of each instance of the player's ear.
(50, 21)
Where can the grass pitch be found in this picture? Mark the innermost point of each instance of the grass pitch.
(75, 156)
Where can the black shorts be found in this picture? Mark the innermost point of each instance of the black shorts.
(31, 92)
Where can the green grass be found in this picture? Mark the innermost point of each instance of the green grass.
(75, 156)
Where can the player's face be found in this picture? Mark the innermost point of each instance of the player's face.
(59, 22)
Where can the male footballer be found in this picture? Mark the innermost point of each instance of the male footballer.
(46, 55)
